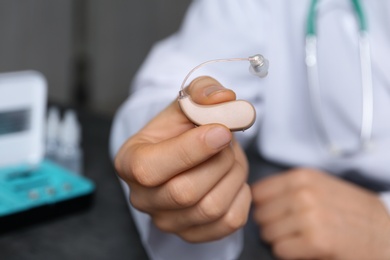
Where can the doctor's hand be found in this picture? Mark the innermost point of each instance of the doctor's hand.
(191, 181)
(307, 214)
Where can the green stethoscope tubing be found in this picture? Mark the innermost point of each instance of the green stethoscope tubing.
(366, 78)
(311, 18)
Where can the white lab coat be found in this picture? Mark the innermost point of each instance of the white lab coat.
(284, 127)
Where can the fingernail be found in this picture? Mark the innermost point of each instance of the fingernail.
(218, 137)
(210, 90)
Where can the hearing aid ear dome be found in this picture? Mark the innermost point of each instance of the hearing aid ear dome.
(258, 65)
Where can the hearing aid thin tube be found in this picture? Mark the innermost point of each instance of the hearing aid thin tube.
(205, 63)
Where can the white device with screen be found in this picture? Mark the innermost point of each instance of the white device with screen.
(22, 114)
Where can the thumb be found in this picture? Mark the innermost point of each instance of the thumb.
(208, 91)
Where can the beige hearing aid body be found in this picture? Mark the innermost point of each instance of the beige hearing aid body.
(237, 115)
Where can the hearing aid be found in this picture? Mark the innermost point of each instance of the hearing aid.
(237, 115)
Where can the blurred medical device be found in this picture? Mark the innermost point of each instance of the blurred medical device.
(32, 188)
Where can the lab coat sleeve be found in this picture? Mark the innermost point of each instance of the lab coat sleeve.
(157, 84)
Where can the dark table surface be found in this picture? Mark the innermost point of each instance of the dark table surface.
(103, 231)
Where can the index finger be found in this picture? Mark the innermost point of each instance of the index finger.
(152, 164)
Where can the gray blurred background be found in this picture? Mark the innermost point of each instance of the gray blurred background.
(89, 50)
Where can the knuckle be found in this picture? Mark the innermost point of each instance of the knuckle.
(266, 233)
(120, 168)
(279, 251)
(136, 202)
(319, 245)
(211, 208)
(314, 218)
(182, 193)
(302, 175)
(165, 225)
(140, 169)
(304, 197)
(143, 175)
(235, 220)
(189, 237)
(119, 158)
(228, 154)
(184, 156)
(118, 164)
(227, 158)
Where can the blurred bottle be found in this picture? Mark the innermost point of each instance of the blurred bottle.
(69, 153)
(52, 133)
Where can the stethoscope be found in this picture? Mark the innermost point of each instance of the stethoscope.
(365, 138)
